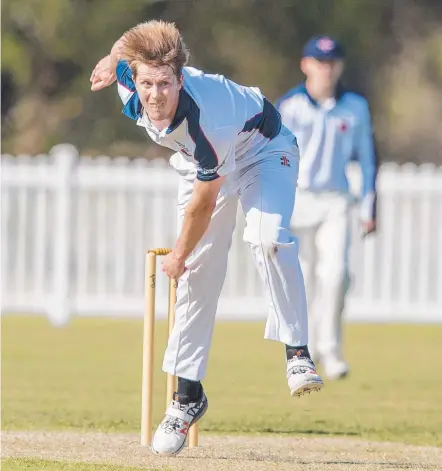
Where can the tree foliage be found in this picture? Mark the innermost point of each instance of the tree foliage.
(49, 48)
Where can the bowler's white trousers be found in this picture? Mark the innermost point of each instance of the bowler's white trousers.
(266, 191)
(321, 223)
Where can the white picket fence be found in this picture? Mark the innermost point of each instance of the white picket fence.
(75, 230)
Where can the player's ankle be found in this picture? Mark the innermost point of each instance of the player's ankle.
(189, 391)
(301, 351)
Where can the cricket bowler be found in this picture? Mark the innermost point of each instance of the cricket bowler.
(230, 147)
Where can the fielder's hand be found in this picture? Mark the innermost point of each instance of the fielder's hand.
(103, 75)
(368, 227)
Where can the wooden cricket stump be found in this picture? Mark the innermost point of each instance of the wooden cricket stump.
(148, 349)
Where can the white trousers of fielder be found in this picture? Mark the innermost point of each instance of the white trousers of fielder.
(266, 191)
(321, 223)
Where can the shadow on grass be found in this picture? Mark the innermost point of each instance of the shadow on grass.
(389, 464)
(253, 457)
(282, 432)
(309, 432)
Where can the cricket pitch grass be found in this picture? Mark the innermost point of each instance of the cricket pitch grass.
(71, 401)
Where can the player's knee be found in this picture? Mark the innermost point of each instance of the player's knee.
(264, 230)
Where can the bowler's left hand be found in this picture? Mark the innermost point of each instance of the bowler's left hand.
(172, 266)
(103, 75)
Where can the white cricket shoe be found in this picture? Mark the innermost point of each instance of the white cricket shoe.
(335, 369)
(302, 376)
(170, 436)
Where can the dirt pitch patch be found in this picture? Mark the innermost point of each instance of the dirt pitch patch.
(225, 453)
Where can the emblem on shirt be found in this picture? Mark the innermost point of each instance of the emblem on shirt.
(183, 148)
(343, 126)
(285, 162)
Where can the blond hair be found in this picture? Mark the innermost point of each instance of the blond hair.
(155, 43)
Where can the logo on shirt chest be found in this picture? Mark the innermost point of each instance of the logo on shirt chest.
(183, 148)
(343, 126)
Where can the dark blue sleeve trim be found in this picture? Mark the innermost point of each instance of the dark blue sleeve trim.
(204, 153)
(268, 122)
(124, 76)
(132, 109)
(206, 178)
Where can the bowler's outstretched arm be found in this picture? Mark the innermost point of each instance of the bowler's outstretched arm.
(104, 73)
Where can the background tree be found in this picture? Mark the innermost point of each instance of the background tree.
(49, 48)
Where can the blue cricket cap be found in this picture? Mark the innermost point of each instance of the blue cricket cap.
(323, 48)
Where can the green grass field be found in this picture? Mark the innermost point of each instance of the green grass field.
(88, 377)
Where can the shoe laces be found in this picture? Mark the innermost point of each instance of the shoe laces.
(172, 424)
(190, 408)
(300, 365)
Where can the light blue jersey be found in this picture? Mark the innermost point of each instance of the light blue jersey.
(219, 126)
(329, 135)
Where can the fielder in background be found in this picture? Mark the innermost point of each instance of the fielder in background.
(230, 146)
(333, 127)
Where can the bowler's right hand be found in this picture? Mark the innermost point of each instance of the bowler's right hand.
(368, 227)
(103, 75)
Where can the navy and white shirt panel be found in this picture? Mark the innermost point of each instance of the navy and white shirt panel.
(329, 135)
(219, 125)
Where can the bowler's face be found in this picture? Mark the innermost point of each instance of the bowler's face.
(159, 90)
